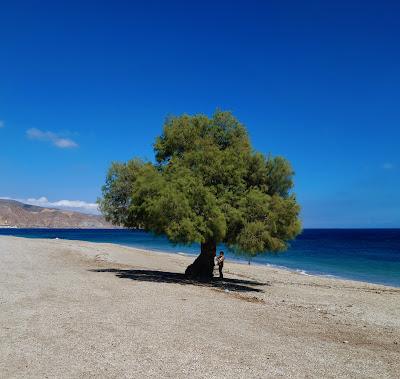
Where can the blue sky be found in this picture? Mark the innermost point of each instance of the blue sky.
(86, 83)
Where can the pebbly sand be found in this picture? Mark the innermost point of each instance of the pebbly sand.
(71, 309)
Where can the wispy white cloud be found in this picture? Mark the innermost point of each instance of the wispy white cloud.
(54, 138)
(74, 205)
(2, 124)
(388, 166)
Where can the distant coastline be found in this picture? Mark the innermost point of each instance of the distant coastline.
(14, 214)
(59, 228)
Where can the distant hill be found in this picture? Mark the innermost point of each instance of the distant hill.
(16, 214)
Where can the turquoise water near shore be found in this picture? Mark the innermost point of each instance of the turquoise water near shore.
(370, 255)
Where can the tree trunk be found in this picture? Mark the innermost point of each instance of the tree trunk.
(203, 266)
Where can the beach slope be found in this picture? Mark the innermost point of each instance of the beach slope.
(78, 309)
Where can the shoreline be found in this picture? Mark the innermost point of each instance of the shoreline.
(233, 260)
(258, 264)
(189, 258)
(254, 264)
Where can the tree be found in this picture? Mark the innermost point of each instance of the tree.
(209, 186)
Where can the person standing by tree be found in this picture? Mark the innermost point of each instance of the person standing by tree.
(209, 186)
(220, 263)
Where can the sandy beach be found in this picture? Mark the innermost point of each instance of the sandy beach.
(71, 309)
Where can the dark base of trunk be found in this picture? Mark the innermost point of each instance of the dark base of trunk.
(203, 266)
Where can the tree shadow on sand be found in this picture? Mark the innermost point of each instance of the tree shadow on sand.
(235, 285)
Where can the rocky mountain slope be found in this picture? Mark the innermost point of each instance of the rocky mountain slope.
(16, 214)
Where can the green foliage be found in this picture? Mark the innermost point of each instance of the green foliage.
(207, 185)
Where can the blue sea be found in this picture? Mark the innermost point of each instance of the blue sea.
(370, 255)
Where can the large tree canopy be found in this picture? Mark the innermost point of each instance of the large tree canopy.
(208, 186)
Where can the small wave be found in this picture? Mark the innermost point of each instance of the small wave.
(333, 276)
(302, 272)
